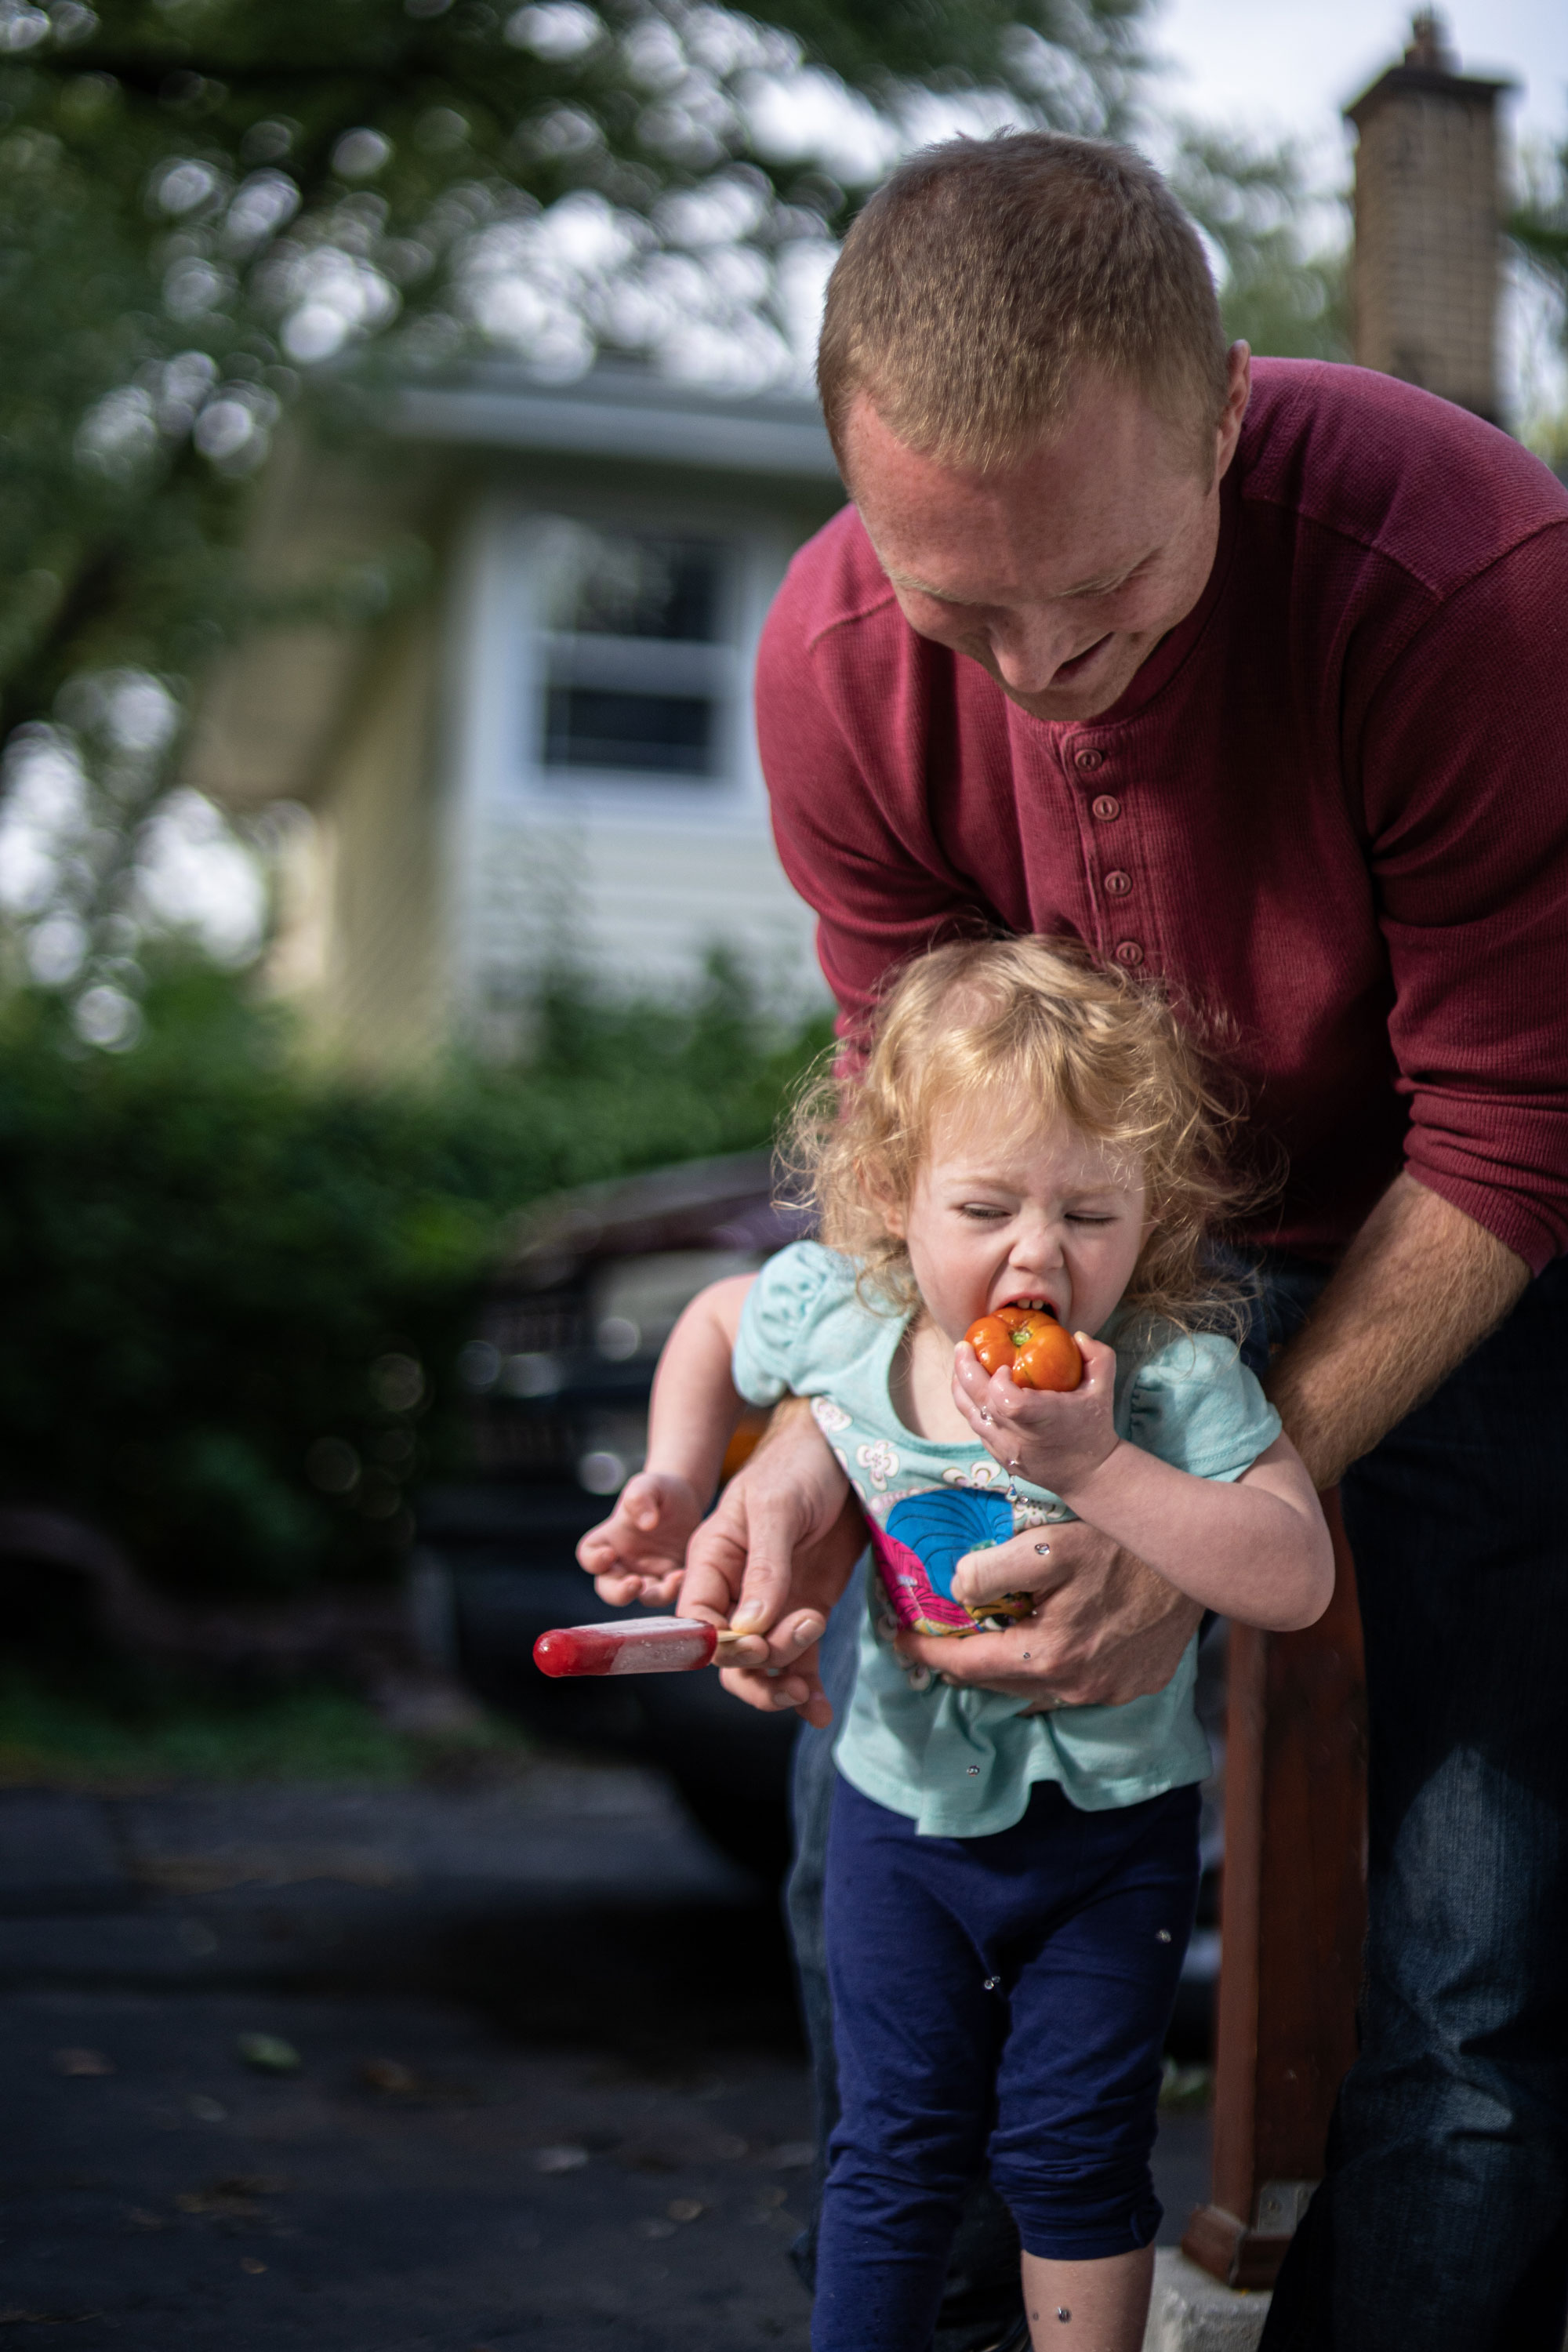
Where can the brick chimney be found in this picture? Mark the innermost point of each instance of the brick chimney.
(1425, 276)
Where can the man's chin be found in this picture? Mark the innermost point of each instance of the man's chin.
(1074, 704)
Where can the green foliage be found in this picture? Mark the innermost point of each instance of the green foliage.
(1538, 229)
(1285, 300)
(193, 191)
(234, 1292)
(1539, 226)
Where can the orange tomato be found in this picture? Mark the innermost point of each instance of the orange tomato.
(1031, 1343)
(992, 1342)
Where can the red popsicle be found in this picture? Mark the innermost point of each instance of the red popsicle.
(651, 1645)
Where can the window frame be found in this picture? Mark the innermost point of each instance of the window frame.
(511, 671)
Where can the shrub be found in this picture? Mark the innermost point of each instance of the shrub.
(235, 1289)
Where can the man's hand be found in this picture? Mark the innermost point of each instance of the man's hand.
(1106, 1628)
(639, 1553)
(771, 1560)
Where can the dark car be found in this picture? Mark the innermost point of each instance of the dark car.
(559, 1371)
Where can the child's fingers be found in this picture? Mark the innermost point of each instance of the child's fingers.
(619, 1587)
(594, 1550)
(642, 1501)
(972, 1393)
(658, 1591)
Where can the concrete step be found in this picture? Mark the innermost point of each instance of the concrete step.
(1192, 2313)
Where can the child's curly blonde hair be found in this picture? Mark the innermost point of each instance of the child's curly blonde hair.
(1037, 1025)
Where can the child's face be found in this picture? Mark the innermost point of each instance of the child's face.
(1037, 1216)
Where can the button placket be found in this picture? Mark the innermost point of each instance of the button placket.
(1116, 884)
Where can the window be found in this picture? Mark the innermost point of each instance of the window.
(637, 662)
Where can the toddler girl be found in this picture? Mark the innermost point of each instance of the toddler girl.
(1010, 1889)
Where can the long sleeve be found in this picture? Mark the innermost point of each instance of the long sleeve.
(1465, 782)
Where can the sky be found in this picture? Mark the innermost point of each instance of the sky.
(1288, 65)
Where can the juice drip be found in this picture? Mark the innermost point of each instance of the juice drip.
(651, 1645)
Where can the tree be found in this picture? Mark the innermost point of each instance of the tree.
(1538, 231)
(202, 202)
(1282, 297)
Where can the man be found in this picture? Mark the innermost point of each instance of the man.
(1253, 679)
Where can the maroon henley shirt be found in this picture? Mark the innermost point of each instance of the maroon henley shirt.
(1330, 810)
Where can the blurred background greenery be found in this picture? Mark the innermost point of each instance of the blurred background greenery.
(235, 1286)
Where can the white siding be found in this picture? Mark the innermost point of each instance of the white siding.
(637, 880)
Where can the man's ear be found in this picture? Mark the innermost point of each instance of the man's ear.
(1239, 392)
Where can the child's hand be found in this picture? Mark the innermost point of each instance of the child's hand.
(1055, 1438)
(639, 1553)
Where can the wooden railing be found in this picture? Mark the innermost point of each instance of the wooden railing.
(1293, 1911)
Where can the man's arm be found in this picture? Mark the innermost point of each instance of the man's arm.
(1419, 1286)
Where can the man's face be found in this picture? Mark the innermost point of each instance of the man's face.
(1061, 574)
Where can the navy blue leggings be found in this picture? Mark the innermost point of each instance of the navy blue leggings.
(1001, 1997)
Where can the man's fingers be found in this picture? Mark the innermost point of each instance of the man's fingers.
(775, 1530)
(1025, 1563)
(797, 1688)
(715, 1564)
(969, 1657)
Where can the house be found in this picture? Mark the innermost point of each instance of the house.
(543, 745)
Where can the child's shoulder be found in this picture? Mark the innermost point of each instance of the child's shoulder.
(1187, 1397)
(804, 1314)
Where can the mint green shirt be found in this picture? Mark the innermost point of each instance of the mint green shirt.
(961, 1763)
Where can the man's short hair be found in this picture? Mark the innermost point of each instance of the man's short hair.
(987, 274)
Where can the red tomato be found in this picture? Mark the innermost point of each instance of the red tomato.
(1031, 1343)
(992, 1342)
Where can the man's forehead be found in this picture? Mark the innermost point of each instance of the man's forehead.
(1078, 514)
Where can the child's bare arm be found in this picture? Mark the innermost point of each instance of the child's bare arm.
(639, 1553)
(1256, 1549)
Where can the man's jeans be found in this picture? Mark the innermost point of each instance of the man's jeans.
(1443, 2222)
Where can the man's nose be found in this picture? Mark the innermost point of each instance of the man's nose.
(1029, 648)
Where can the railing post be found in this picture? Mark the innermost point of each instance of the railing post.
(1292, 1916)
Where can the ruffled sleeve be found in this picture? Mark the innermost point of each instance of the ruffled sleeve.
(1194, 1405)
(787, 1339)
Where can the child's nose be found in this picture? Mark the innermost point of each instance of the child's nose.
(1037, 1247)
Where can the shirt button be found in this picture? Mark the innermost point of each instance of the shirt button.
(1129, 952)
(1106, 807)
(1117, 884)
(1088, 758)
